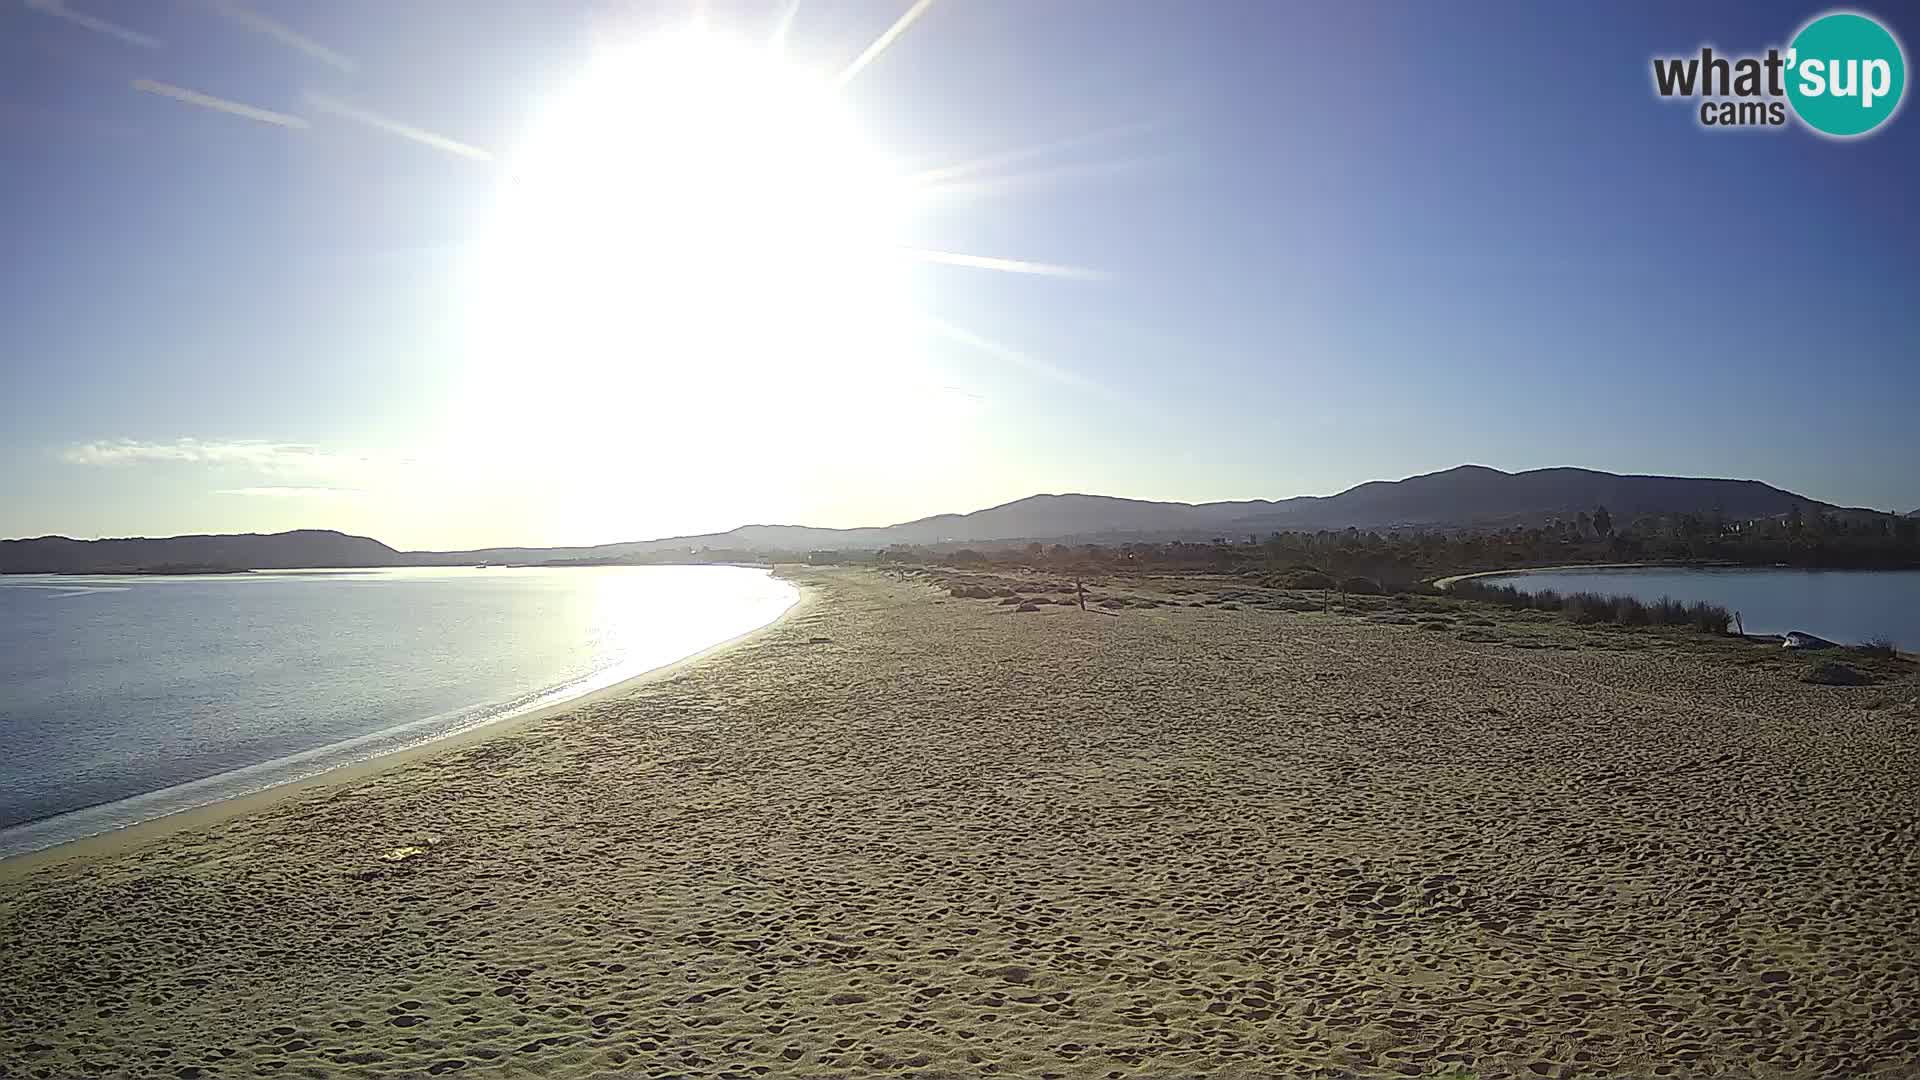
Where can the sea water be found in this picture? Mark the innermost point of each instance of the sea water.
(1848, 606)
(127, 698)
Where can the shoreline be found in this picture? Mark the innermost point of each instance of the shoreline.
(126, 838)
(1444, 582)
(1447, 582)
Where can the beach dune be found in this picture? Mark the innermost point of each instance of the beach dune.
(899, 833)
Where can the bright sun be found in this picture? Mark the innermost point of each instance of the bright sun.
(695, 264)
(696, 201)
(697, 281)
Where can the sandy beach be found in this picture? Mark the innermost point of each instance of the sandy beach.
(904, 833)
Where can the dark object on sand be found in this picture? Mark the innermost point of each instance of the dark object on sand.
(1833, 673)
(1800, 641)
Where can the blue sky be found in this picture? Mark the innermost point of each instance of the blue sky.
(1325, 244)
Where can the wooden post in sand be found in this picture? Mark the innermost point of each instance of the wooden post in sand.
(1080, 591)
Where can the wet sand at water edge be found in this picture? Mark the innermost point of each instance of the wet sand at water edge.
(903, 833)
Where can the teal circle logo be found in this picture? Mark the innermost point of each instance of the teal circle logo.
(1845, 74)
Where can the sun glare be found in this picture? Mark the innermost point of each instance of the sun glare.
(696, 201)
(693, 247)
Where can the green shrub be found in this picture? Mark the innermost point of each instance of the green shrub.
(1361, 586)
(1586, 607)
(1709, 617)
(1833, 673)
(1589, 607)
(1630, 612)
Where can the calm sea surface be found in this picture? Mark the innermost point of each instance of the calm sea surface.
(125, 698)
(1848, 606)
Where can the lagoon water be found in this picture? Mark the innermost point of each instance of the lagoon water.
(126, 698)
(1848, 606)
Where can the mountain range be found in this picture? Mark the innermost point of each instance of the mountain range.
(1469, 496)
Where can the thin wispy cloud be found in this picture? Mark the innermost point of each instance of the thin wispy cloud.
(998, 161)
(1016, 357)
(887, 38)
(292, 492)
(218, 104)
(282, 33)
(394, 127)
(259, 455)
(59, 10)
(1038, 178)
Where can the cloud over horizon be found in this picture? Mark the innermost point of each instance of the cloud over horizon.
(293, 492)
(258, 454)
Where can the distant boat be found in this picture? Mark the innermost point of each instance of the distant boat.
(1797, 639)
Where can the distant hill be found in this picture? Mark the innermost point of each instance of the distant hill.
(246, 551)
(1467, 496)
(1463, 497)
(1477, 495)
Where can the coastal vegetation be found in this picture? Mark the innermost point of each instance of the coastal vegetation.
(1593, 607)
(1877, 647)
(1834, 673)
(1327, 568)
(161, 570)
(1484, 615)
(1400, 557)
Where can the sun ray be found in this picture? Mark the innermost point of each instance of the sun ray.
(886, 39)
(1005, 266)
(396, 128)
(282, 33)
(208, 101)
(788, 11)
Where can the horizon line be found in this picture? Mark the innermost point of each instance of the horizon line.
(960, 514)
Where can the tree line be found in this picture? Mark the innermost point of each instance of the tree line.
(1406, 556)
